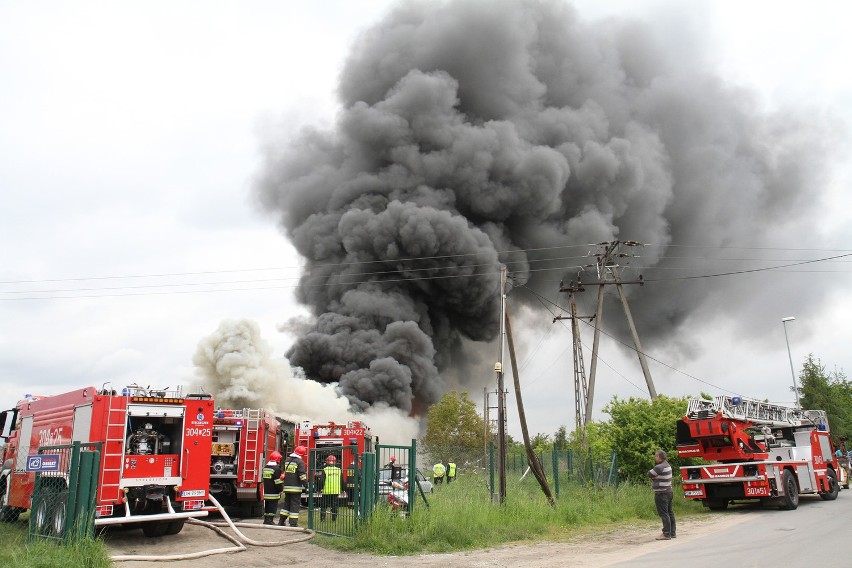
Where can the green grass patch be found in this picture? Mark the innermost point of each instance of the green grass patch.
(461, 516)
(16, 551)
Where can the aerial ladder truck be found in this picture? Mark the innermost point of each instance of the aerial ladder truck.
(759, 451)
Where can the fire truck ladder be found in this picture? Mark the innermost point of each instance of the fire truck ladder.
(249, 465)
(116, 430)
(755, 411)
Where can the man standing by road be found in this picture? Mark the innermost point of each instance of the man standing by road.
(661, 483)
(272, 483)
(295, 480)
(451, 471)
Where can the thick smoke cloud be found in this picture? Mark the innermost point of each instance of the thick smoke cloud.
(478, 132)
(236, 365)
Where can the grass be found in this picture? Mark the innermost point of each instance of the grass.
(16, 551)
(462, 517)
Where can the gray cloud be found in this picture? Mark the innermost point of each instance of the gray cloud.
(473, 132)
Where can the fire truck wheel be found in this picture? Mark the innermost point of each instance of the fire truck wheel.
(790, 500)
(717, 504)
(7, 514)
(834, 486)
(60, 514)
(174, 527)
(154, 529)
(42, 516)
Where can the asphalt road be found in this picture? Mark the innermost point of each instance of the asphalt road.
(816, 534)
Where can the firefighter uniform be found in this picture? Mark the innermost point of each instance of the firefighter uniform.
(330, 481)
(272, 485)
(295, 480)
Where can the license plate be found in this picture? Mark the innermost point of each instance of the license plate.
(192, 493)
(692, 493)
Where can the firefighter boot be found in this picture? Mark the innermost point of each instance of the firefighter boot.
(268, 520)
(282, 521)
(294, 522)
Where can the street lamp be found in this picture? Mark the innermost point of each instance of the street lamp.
(792, 372)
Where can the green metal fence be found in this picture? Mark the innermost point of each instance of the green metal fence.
(334, 505)
(64, 498)
(561, 467)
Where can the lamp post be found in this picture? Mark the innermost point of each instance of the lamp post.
(792, 372)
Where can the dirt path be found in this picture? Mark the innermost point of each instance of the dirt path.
(589, 551)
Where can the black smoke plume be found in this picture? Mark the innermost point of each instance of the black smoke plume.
(477, 132)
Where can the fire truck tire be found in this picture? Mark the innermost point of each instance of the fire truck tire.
(717, 504)
(154, 529)
(174, 527)
(790, 499)
(60, 516)
(834, 487)
(41, 511)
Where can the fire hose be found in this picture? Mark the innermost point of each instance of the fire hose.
(239, 541)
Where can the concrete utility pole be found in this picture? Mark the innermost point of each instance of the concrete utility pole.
(500, 496)
(607, 273)
(790, 356)
(580, 389)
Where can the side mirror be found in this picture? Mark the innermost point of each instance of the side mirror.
(7, 422)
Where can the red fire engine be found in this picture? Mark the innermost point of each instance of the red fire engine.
(761, 451)
(241, 441)
(326, 437)
(154, 461)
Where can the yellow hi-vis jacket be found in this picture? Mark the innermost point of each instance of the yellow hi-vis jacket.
(331, 486)
(452, 470)
(438, 469)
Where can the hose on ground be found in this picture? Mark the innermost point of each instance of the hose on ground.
(239, 541)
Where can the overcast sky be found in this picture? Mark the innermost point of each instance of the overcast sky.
(131, 133)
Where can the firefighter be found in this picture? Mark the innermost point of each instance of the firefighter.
(438, 473)
(330, 483)
(396, 470)
(451, 471)
(272, 485)
(295, 478)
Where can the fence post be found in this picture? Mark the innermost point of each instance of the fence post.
(613, 468)
(491, 468)
(570, 457)
(555, 458)
(412, 477)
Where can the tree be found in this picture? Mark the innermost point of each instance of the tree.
(829, 391)
(560, 438)
(638, 427)
(541, 443)
(454, 429)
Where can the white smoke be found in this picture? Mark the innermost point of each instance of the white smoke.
(237, 367)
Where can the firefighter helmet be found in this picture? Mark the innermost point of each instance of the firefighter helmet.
(275, 456)
(331, 460)
(301, 451)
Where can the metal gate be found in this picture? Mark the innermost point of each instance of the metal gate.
(336, 499)
(66, 483)
(397, 476)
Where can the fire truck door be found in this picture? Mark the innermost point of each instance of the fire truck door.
(24, 441)
(82, 426)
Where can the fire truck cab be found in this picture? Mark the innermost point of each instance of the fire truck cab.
(759, 450)
(352, 439)
(155, 454)
(242, 440)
